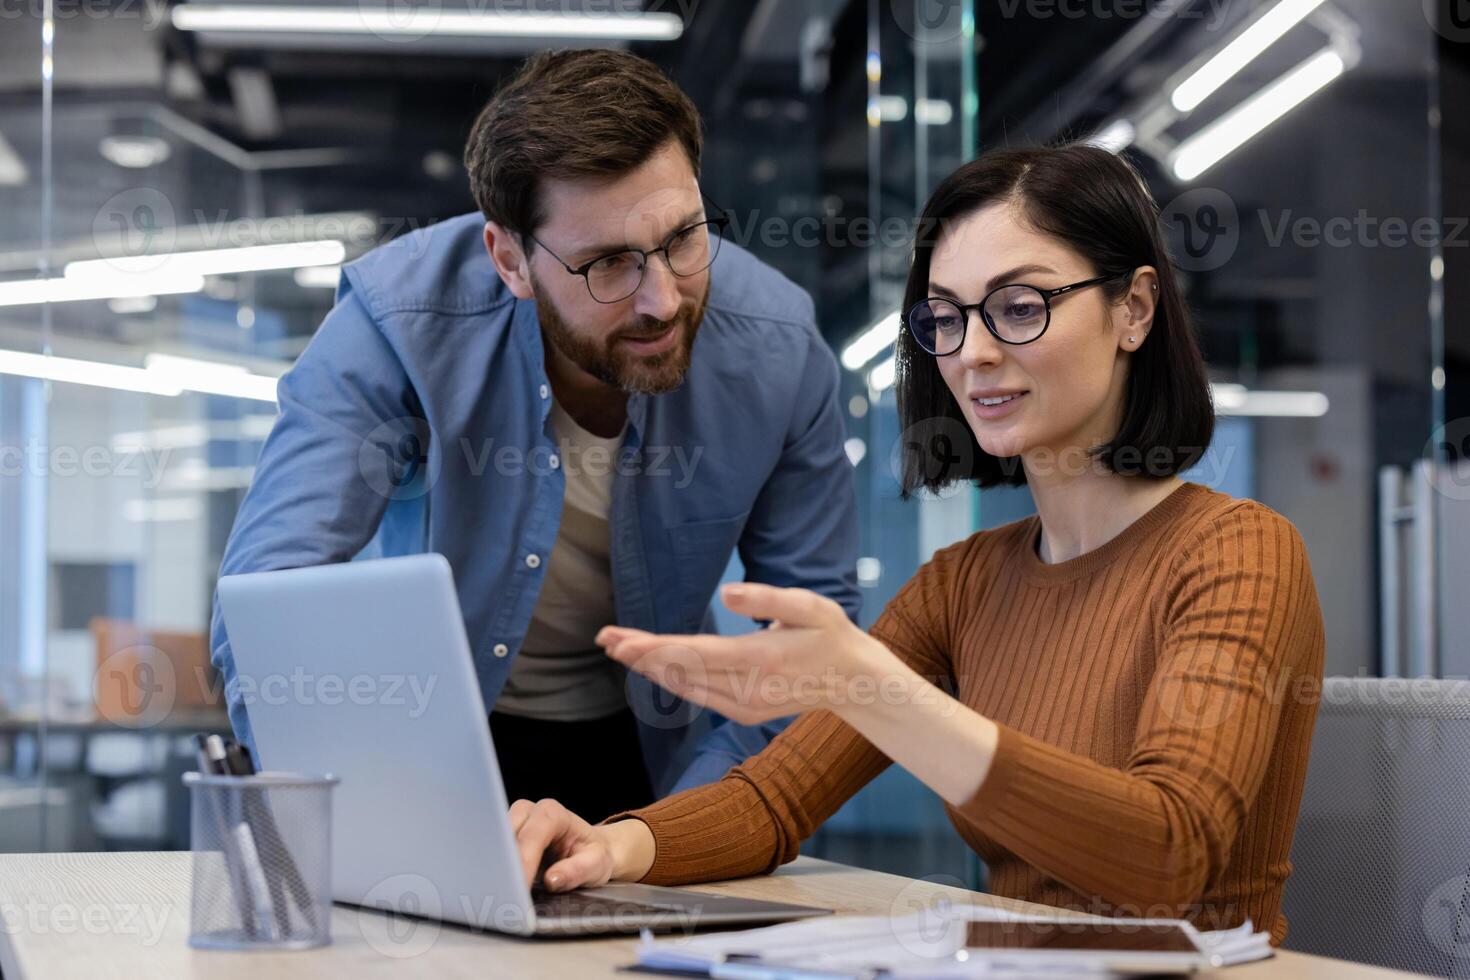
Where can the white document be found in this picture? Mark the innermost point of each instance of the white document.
(927, 944)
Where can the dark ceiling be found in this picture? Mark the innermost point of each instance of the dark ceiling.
(784, 107)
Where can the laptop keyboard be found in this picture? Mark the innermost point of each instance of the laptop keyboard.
(558, 905)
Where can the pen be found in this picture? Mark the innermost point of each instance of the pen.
(241, 764)
(234, 865)
(257, 889)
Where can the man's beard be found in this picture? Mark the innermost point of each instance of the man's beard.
(612, 363)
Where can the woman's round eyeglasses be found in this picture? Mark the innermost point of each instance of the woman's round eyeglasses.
(1014, 314)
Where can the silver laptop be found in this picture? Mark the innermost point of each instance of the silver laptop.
(362, 669)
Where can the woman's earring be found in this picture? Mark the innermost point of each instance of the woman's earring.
(1130, 340)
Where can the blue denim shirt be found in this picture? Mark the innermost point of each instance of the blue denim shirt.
(416, 420)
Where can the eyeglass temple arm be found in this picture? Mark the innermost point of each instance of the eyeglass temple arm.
(1049, 293)
(575, 272)
(724, 216)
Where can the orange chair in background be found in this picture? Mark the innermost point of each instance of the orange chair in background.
(147, 677)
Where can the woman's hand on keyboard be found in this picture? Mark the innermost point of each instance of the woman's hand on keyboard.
(574, 853)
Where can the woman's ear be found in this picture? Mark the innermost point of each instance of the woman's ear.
(510, 260)
(1133, 318)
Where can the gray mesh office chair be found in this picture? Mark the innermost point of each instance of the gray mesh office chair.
(1382, 846)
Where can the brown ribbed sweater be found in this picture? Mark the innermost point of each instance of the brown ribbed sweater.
(1155, 699)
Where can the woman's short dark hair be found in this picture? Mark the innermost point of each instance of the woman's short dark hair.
(1098, 205)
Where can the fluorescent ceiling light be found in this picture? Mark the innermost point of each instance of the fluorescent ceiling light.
(132, 305)
(1233, 399)
(318, 276)
(215, 261)
(1248, 46)
(280, 19)
(12, 167)
(190, 435)
(164, 509)
(213, 377)
(134, 152)
(68, 289)
(882, 375)
(871, 341)
(194, 435)
(933, 112)
(162, 374)
(1115, 137)
(887, 108)
(195, 474)
(97, 373)
(1238, 126)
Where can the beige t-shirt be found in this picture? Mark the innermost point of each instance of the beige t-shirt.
(559, 673)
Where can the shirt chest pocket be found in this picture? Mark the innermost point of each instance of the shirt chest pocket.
(701, 551)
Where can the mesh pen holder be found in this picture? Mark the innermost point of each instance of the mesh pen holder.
(262, 857)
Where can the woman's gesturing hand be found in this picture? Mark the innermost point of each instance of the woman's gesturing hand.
(809, 659)
(577, 854)
(814, 657)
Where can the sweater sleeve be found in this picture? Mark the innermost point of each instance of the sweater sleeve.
(1242, 630)
(754, 819)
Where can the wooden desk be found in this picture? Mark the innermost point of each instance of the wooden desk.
(126, 915)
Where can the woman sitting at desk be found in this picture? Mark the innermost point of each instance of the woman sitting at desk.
(1115, 697)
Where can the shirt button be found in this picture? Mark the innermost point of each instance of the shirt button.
(533, 561)
(500, 650)
(555, 461)
(545, 391)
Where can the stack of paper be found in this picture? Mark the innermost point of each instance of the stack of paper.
(910, 946)
(928, 944)
(1239, 945)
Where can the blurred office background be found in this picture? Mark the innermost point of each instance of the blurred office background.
(1313, 160)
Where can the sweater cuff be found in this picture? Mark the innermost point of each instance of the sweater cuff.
(697, 834)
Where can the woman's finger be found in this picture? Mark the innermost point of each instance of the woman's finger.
(716, 682)
(793, 607)
(519, 811)
(540, 834)
(709, 649)
(612, 634)
(590, 864)
(727, 689)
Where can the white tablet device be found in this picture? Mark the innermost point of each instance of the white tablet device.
(1136, 947)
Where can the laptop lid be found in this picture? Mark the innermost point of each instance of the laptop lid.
(363, 669)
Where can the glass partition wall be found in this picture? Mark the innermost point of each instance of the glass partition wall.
(918, 123)
(155, 280)
(29, 809)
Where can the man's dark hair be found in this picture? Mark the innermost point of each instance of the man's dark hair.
(1098, 205)
(572, 114)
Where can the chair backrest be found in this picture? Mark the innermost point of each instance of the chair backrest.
(1381, 855)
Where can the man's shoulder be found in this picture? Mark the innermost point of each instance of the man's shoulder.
(744, 287)
(441, 268)
(757, 316)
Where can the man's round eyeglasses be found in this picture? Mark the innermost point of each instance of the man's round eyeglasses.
(614, 277)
